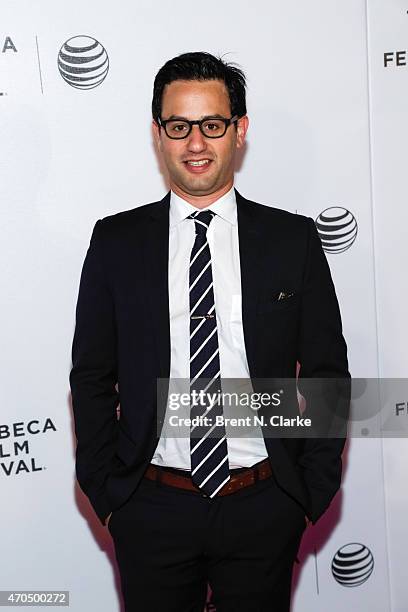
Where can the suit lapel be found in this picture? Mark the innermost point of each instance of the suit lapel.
(156, 250)
(249, 243)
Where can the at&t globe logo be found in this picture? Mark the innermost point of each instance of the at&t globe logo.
(337, 228)
(352, 564)
(83, 62)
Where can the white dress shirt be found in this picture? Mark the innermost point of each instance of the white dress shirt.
(222, 236)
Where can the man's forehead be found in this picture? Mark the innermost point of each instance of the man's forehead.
(209, 97)
(195, 87)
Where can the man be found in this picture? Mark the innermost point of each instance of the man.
(203, 285)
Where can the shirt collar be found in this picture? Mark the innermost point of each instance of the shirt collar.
(225, 207)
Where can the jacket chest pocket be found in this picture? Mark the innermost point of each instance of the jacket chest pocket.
(271, 305)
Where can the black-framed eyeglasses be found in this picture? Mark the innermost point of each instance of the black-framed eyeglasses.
(210, 127)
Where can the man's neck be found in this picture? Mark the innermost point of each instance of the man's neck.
(201, 201)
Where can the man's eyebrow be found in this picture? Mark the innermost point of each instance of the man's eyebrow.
(180, 118)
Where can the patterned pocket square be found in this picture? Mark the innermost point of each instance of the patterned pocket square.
(284, 295)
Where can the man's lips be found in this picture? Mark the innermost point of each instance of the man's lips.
(197, 166)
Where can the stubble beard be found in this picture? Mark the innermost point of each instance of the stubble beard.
(195, 185)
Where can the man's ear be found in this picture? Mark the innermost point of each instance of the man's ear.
(242, 128)
(156, 134)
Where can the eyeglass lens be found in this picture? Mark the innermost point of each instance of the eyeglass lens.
(212, 128)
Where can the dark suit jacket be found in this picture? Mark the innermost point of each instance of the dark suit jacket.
(122, 344)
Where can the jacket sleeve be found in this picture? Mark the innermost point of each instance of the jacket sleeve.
(323, 380)
(93, 377)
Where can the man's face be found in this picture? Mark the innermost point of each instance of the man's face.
(195, 100)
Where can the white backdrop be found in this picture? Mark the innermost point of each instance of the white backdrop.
(328, 128)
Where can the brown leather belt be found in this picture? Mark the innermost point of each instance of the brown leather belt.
(240, 480)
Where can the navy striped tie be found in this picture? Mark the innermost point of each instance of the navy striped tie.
(208, 442)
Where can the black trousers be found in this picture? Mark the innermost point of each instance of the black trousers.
(170, 542)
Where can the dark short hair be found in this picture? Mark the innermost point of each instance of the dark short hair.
(201, 66)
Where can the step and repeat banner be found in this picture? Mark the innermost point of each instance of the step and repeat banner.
(387, 26)
(327, 91)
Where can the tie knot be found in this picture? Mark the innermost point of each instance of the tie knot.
(202, 220)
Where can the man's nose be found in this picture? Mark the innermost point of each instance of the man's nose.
(196, 141)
